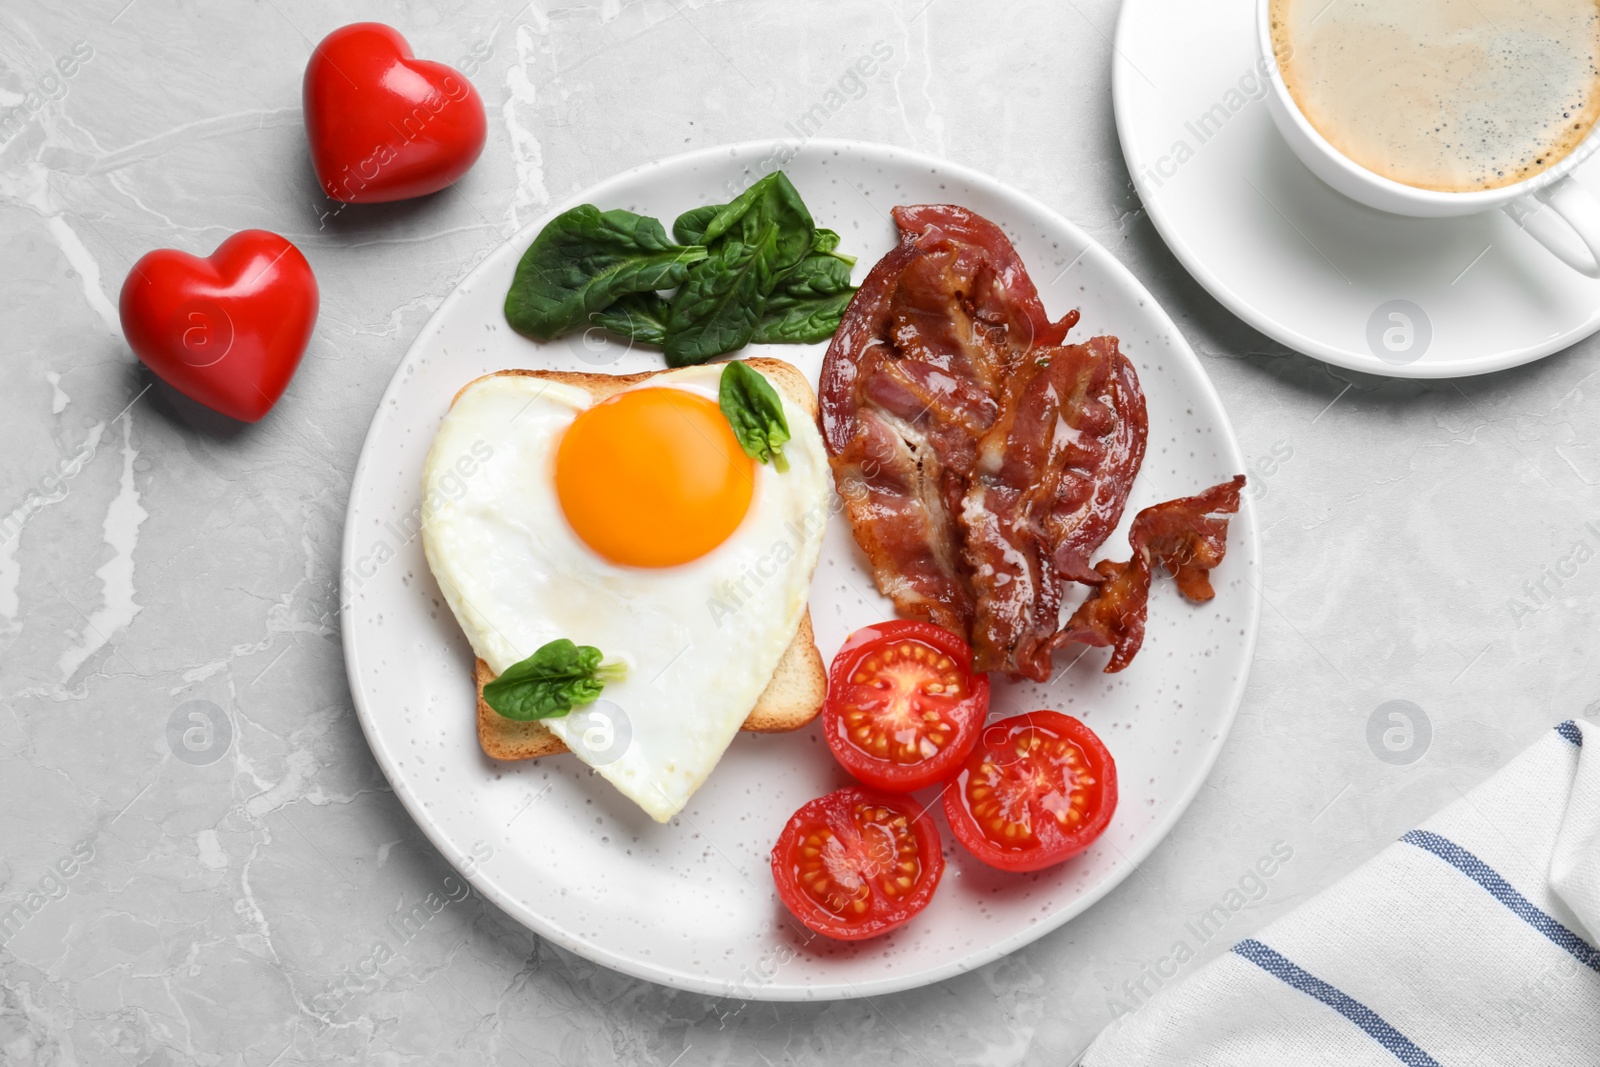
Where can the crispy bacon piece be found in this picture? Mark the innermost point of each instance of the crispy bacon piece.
(1114, 614)
(982, 460)
(890, 428)
(1033, 496)
(1082, 521)
(1013, 300)
(1188, 537)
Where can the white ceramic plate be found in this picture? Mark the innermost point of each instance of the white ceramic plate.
(691, 904)
(1302, 264)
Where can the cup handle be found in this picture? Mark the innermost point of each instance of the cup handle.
(1572, 204)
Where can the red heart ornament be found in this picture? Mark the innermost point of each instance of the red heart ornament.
(382, 125)
(227, 330)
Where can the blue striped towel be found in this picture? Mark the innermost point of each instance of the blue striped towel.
(1470, 941)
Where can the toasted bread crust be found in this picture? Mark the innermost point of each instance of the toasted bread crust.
(795, 694)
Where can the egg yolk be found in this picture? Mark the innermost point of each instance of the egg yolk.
(653, 477)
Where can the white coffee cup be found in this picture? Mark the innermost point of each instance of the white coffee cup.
(1524, 201)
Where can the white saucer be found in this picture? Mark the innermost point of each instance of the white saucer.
(1322, 274)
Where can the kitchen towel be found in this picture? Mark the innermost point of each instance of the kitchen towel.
(1470, 942)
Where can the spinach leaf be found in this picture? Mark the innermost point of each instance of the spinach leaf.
(755, 268)
(716, 310)
(583, 261)
(764, 234)
(640, 317)
(801, 320)
(557, 678)
(804, 308)
(729, 215)
(773, 199)
(690, 229)
(808, 303)
(828, 241)
(755, 411)
(819, 274)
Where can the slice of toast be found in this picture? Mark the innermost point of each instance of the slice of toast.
(795, 694)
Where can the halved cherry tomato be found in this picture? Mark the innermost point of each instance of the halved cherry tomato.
(1039, 789)
(855, 864)
(904, 708)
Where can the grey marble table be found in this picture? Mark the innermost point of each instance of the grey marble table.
(1424, 542)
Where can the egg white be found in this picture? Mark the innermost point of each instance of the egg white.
(700, 641)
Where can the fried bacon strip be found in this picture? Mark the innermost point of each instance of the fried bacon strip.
(1085, 518)
(982, 460)
(1033, 497)
(881, 421)
(1188, 537)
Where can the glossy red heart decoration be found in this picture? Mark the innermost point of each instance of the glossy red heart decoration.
(382, 125)
(227, 330)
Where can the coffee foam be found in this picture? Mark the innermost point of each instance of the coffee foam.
(1452, 95)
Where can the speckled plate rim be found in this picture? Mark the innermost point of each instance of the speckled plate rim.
(1159, 323)
(1134, 18)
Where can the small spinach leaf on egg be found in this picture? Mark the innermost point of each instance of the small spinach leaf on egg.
(583, 260)
(557, 678)
(755, 411)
